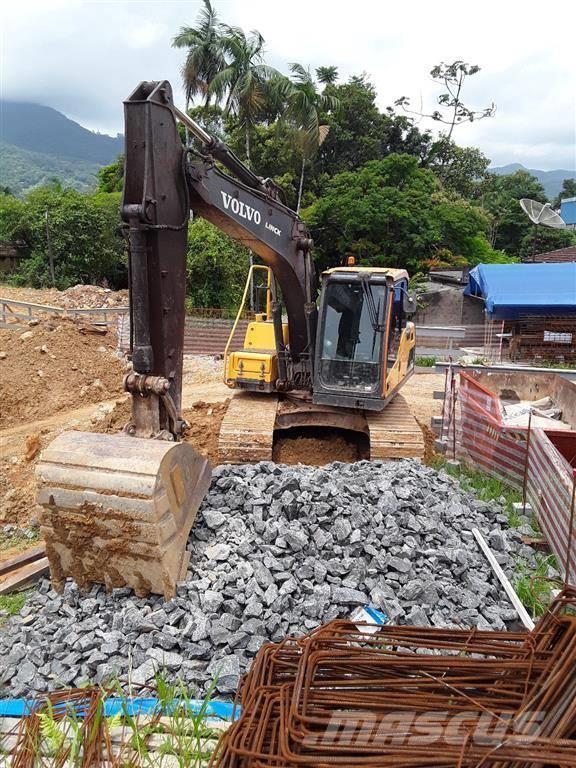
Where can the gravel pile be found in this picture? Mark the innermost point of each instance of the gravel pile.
(277, 550)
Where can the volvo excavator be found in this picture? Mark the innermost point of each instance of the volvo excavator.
(117, 509)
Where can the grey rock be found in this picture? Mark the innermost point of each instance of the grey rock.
(400, 564)
(218, 552)
(346, 596)
(165, 659)
(144, 673)
(213, 518)
(226, 670)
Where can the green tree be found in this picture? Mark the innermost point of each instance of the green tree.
(499, 197)
(359, 132)
(460, 169)
(304, 106)
(205, 54)
(111, 177)
(543, 240)
(217, 267)
(246, 81)
(568, 190)
(12, 211)
(327, 75)
(391, 212)
(452, 111)
(84, 233)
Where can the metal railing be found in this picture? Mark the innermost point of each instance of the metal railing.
(13, 312)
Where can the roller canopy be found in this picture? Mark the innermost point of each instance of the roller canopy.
(516, 290)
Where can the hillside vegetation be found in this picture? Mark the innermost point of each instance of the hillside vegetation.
(23, 170)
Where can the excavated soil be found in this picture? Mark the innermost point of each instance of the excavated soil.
(53, 366)
(78, 296)
(204, 421)
(324, 448)
(17, 492)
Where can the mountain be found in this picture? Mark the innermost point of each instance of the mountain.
(22, 170)
(550, 180)
(45, 130)
(39, 143)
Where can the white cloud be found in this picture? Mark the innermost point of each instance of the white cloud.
(86, 57)
(145, 34)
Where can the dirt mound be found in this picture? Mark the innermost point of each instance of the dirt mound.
(17, 492)
(93, 296)
(76, 297)
(53, 366)
(116, 419)
(325, 447)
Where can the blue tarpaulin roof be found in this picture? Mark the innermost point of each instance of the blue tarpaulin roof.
(516, 290)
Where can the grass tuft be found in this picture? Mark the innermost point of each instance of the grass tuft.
(425, 362)
(12, 604)
(533, 586)
(486, 488)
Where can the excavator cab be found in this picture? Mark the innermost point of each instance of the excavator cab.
(365, 347)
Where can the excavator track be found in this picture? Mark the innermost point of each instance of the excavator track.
(394, 432)
(247, 432)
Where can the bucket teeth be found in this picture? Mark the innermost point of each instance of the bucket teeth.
(117, 510)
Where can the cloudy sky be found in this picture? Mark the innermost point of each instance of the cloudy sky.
(83, 57)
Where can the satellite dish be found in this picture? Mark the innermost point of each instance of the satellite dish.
(542, 213)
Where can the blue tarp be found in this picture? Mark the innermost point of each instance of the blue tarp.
(137, 706)
(517, 290)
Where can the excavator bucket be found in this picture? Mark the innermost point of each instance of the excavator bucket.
(117, 510)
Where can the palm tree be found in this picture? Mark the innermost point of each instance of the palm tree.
(304, 105)
(245, 80)
(205, 57)
(327, 75)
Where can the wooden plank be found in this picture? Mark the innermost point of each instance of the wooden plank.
(23, 558)
(24, 575)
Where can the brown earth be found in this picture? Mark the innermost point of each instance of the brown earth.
(315, 451)
(418, 392)
(17, 492)
(77, 296)
(204, 420)
(53, 366)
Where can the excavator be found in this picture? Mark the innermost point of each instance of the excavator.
(118, 509)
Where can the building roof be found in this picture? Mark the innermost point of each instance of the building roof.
(559, 255)
(517, 290)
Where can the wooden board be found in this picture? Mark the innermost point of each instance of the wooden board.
(394, 432)
(23, 558)
(23, 575)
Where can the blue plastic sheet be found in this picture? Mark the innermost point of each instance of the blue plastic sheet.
(222, 710)
(517, 290)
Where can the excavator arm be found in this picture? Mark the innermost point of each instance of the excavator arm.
(163, 181)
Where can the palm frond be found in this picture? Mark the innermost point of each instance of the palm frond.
(301, 74)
